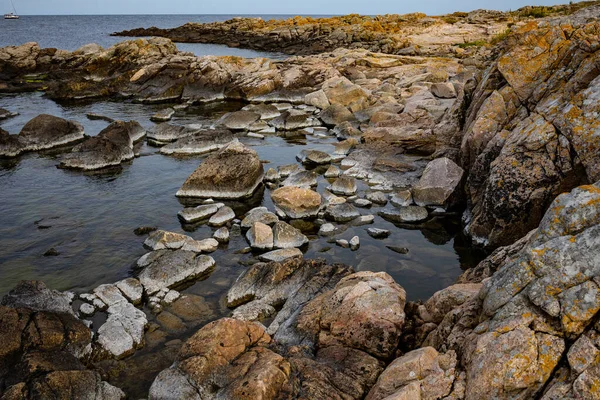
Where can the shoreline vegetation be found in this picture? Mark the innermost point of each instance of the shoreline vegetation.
(492, 116)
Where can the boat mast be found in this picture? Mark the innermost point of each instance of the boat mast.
(13, 7)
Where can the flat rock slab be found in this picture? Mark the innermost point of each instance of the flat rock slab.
(280, 255)
(239, 120)
(195, 214)
(171, 268)
(408, 214)
(163, 115)
(200, 142)
(341, 212)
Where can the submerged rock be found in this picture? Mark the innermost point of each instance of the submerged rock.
(111, 147)
(377, 233)
(233, 172)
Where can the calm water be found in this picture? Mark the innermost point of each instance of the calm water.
(90, 218)
(69, 32)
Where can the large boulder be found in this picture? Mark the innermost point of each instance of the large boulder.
(234, 172)
(228, 359)
(364, 311)
(297, 203)
(112, 146)
(47, 131)
(439, 184)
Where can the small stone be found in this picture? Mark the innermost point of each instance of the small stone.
(332, 172)
(280, 255)
(87, 310)
(170, 297)
(402, 199)
(363, 203)
(272, 175)
(341, 212)
(327, 229)
(195, 214)
(201, 246)
(222, 235)
(259, 214)
(344, 185)
(222, 217)
(51, 253)
(286, 236)
(363, 220)
(144, 230)
(377, 233)
(377, 198)
(260, 236)
(355, 243)
(132, 289)
(406, 214)
(163, 115)
(399, 250)
(343, 243)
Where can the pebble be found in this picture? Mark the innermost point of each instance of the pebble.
(377, 233)
(222, 235)
(327, 229)
(343, 243)
(399, 250)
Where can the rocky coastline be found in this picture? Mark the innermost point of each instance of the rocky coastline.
(504, 134)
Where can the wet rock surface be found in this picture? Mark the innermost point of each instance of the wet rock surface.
(233, 172)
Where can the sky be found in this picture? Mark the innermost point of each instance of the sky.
(240, 7)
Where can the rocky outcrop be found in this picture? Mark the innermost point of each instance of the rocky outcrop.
(527, 331)
(44, 347)
(41, 133)
(530, 134)
(111, 147)
(395, 34)
(233, 172)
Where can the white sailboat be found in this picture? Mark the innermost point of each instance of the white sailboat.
(12, 15)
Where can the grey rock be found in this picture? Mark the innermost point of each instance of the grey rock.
(341, 212)
(438, 184)
(222, 235)
(355, 243)
(301, 179)
(222, 217)
(195, 214)
(362, 203)
(327, 230)
(160, 240)
(163, 115)
(132, 289)
(377, 233)
(402, 199)
(171, 268)
(332, 172)
(343, 243)
(167, 133)
(444, 90)
(286, 236)
(201, 246)
(405, 214)
(287, 170)
(199, 142)
(272, 175)
(259, 214)
(36, 296)
(377, 198)
(239, 120)
(123, 331)
(260, 236)
(344, 185)
(280, 255)
(316, 157)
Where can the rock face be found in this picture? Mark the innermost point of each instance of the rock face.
(41, 133)
(530, 134)
(111, 147)
(233, 172)
(535, 312)
(297, 203)
(439, 184)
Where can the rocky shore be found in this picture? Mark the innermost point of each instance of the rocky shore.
(507, 136)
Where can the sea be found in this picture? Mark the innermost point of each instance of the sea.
(69, 32)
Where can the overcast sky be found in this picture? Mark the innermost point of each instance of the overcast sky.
(306, 7)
